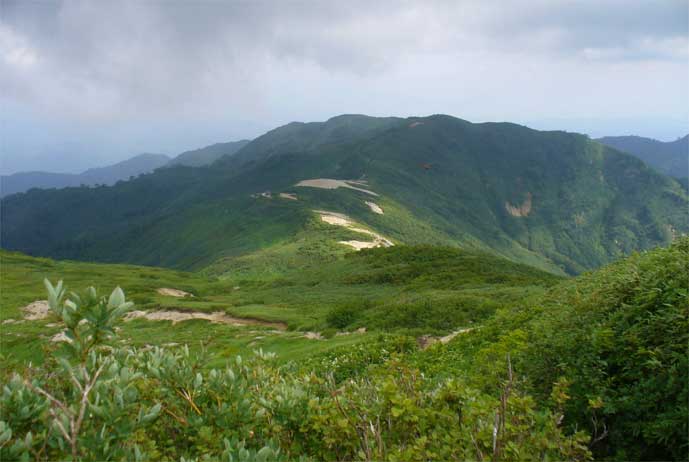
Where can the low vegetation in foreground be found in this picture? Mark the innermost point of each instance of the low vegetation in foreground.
(592, 367)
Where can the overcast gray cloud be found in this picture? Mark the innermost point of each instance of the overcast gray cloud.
(109, 79)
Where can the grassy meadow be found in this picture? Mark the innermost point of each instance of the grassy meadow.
(387, 290)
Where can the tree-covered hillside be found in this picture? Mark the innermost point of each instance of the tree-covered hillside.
(554, 200)
(206, 156)
(670, 157)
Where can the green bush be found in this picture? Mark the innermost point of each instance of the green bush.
(346, 314)
(433, 314)
(621, 335)
(328, 333)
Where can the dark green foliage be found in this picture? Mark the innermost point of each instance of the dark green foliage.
(345, 363)
(441, 268)
(430, 315)
(346, 314)
(621, 335)
(414, 313)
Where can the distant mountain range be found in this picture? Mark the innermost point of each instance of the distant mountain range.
(551, 199)
(24, 181)
(109, 175)
(671, 158)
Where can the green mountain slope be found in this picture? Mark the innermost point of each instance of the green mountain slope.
(555, 200)
(671, 157)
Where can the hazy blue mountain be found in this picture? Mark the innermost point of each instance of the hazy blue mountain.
(137, 165)
(209, 154)
(671, 157)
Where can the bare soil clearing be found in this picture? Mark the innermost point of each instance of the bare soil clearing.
(333, 218)
(328, 183)
(313, 336)
(447, 338)
(521, 211)
(339, 219)
(173, 292)
(217, 317)
(358, 245)
(60, 337)
(289, 196)
(427, 340)
(36, 310)
(375, 208)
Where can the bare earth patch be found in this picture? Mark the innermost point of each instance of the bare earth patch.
(339, 219)
(36, 310)
(60, 337)
(217, 317)
(313, 336)
(427, 340)
(375, 208)
(328, 183)
(447, 338)
(579, 218)
(173, 292)
(358, 245)
(333, 218)
(521, 211)
(289, 196)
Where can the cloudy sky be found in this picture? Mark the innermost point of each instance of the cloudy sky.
(85, 83)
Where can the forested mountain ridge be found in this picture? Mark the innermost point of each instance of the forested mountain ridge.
(206, 156)
(555, 200)
(109, 175)
(671, 157)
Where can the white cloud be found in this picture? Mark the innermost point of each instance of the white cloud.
(15, 51)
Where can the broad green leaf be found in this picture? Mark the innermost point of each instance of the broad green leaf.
(116, 298)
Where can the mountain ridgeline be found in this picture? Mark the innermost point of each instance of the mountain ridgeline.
(671, 158)
(208, 155)
(554, 200)
(109, 175)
